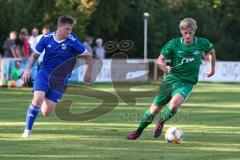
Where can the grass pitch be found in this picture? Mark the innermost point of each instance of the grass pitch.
(209, 119)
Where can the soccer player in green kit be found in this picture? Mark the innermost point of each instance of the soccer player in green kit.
(185, 54)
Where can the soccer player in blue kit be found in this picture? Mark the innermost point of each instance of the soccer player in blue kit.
(60, 48)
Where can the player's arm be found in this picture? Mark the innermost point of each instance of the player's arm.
(34, 57)
(88, 56)
(31, 61)
(212, 60)
(162, 64)
(88, 73)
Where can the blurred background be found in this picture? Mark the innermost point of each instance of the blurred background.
(116, 20)
(107, 26)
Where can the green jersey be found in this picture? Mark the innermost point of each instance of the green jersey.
(185, 59)
(16, 73)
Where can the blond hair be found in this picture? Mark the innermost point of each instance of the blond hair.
(188, 23)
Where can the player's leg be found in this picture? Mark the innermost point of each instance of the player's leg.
(146, 120)
(168, 112)
(171, 109)
(148, 117)
(50, 102)
(48, 107)
(160, 100)
(32, 111)
(40, 88)
(179, 95)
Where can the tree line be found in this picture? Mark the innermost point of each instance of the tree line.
(116, 20)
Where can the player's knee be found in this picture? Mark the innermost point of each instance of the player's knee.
(37, 101)
(154, 110)
(38, 98)
(174, 105)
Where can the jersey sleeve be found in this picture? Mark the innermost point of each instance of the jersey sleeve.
(79, 48)
(167, 49)
(40, 45)
(207, 46)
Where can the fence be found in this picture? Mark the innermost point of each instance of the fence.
(125, 70)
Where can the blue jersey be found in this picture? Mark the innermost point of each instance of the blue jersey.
(57, 65)
(58, 52)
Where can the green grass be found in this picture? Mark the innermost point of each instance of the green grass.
(209, 119)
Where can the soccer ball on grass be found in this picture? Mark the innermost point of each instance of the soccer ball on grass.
(174, 135)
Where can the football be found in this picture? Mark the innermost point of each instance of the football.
(174, 135)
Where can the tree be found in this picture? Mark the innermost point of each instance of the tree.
(117, 20)
(15, 14)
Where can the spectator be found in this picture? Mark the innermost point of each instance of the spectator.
(88, 44)
(10, 47)
(22, 44)
(26, 47)
(45, 30)
(16, 71)
(33, 39)
(99, 49)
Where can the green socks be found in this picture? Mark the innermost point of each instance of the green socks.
(146, 119)
(167, 114)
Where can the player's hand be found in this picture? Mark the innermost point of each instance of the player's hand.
(87, 78)
(210, 73)
(165, 69)
(168, 69)
(26, 76)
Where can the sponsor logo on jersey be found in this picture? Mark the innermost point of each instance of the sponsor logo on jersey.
(49, 46)
(187, 60)
(196, 53)
(180, 52)
(64, 46)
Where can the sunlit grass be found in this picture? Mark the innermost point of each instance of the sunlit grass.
(209, 120)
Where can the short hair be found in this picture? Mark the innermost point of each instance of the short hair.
(66, 19)
(188, 23)
(24, 31)
(46, 27)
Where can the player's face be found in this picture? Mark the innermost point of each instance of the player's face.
(65, 29)
(188, 35)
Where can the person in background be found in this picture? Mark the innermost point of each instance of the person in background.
(88, 44)
(99, 49)
(16, 71)
(33, 39)
(10, 46)
(22, 44)
(26, 47)
(45, 30)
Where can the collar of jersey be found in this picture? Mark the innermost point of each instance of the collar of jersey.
(195, 41)
(55, 39)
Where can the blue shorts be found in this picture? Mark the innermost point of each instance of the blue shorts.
(53, 86)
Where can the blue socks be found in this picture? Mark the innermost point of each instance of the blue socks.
(32, 114)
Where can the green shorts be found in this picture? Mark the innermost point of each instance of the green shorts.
(168, 90)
